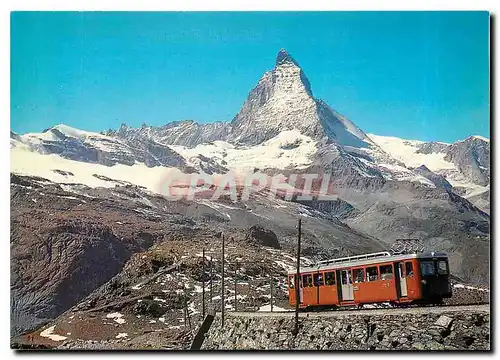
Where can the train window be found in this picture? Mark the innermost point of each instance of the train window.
(442, 267)
(291, 281)
(427, 268)
(409, 269)
(308, 281)
(386, 272)
(358, 275)
(346, 277)
(372, 274)
(330, 278)
(318, 279)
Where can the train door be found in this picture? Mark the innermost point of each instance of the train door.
(346, 285)
(291, 289)
(401, 279)
(319, 284)
(308, 295)
(412, 281)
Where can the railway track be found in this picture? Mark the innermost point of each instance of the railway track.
(380, 311)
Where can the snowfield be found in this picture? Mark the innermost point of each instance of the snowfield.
(288, 149)
(406, 151)
(26, 162)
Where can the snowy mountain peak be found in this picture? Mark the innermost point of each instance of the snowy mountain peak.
(284, 57)
(479, 137)
(283, 100)
(68, 131)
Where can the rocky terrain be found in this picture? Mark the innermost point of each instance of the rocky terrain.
(82, 237)
(102, 257)
(155, 300)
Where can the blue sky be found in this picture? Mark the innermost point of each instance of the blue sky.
(416, 75)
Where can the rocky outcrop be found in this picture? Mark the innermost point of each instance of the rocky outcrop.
(438, 180)
(187, 133)
(482, 200)
(472, 158)
(423, 331)
(264, 237)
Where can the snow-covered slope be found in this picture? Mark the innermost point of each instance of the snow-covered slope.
(60, 154)
(79, 145)
(464, 164)
(61, 170)
(289, 149)
(407, 151)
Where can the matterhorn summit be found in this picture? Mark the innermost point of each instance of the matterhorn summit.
(283, 100)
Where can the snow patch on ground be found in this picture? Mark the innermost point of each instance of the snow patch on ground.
(117, 317)
(275, 308)
(49, 333)
(462, 286)
(284, 265)
(198, 289)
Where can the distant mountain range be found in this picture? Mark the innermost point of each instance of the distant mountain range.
(388, 187)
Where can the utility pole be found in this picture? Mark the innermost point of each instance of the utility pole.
(211, 284)
(271, 286)
(235, 288)
(203, 286)
(185, 309)
(297, 281)
(222, 283)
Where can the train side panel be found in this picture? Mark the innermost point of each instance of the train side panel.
(373, 286)
(328, 295)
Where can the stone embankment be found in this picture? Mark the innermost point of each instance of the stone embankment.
(446, 328)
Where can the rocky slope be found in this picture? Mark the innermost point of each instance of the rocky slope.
(82, 237)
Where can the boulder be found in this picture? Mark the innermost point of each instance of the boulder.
(259, 235)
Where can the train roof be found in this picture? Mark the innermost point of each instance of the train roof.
(366, 259)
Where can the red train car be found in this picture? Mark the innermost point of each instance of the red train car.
(373, 278)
